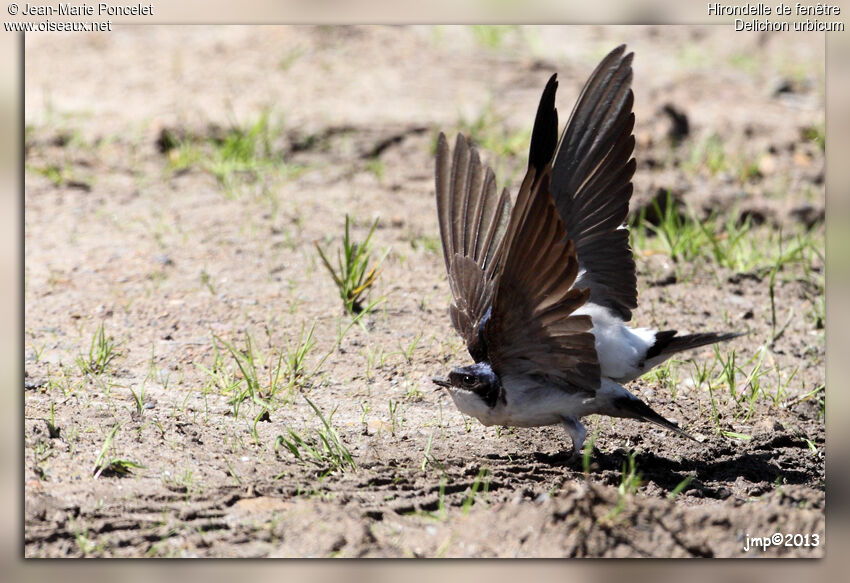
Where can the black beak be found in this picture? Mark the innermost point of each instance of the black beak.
(443, 382)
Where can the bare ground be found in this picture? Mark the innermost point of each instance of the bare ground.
(129, 226)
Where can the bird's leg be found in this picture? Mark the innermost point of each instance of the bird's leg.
(577, 433)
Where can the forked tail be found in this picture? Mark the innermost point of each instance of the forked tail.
(636, 409)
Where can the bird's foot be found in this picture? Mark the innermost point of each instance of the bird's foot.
(577, 434)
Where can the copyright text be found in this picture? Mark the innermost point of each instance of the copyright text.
(100, 9)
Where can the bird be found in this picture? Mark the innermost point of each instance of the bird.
(543, 289)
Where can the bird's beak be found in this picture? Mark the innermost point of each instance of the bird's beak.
(443, 382)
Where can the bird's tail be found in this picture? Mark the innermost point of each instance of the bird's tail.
(668, 344)
(634, 408)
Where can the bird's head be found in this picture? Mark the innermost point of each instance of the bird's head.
(476, 380)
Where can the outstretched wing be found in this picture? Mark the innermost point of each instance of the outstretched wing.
(591, 183)
(473, 218)
(532, 330)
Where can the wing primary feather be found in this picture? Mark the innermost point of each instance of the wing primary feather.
(472, 219)
(462, 168)
(473, 195)
(498, 226)
(591, 182)
(544, 136)
(443, 187)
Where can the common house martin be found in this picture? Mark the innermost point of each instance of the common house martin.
(543, 289)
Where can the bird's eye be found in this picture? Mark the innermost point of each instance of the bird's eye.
(468, 380)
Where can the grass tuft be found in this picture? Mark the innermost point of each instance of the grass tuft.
(235, 156)
(482, 483)
(325, 448)
(680, 487)
(53, 430)
(102, 351)
(489, 131)
(251, 386)
(587, 453)
(722, 241)
(107, 465)
(707, 155)
(353, 276)
(630, 482)
(295, 365)
(816, 133)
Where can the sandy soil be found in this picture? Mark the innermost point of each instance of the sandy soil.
(136, 221)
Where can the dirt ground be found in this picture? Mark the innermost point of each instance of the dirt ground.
(144, 217)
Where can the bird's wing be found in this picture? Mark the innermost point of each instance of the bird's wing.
(591, 183)
(532, 329)
(473, 218)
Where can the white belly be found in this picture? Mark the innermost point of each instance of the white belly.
(529, 404)
(526, 404)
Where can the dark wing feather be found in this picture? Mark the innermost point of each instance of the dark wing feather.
(544, 136)
(532, 330)
(473, 218)
(591, 183)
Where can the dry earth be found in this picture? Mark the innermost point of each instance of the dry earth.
(145, 217)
